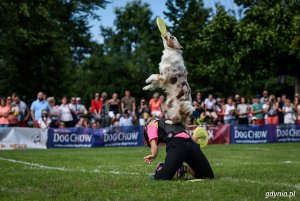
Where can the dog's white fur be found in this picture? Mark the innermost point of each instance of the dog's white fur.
(172, 78)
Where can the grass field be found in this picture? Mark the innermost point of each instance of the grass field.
(243, 172)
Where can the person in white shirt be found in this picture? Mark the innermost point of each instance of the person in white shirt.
(289, 112)
(229, 112)
(65, 113)
(44, 121)
(210, 108)
(126, 119)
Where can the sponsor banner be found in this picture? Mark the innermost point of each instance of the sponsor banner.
(288, 133)
(23, 138)
(86, 137)
(252, 134)
(123, 136)
(216, 134)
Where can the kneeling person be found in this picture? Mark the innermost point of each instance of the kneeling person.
(180, 148)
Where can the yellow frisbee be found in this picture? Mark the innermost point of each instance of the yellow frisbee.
(161, 26)
(201, 135)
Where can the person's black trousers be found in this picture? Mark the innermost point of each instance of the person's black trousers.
(181, 150)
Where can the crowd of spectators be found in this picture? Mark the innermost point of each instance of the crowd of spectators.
(104, 111)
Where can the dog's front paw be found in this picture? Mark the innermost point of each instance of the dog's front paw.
(152, 78)
(148, 87)
(169, 122)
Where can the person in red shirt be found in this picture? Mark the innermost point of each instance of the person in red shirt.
(96, 108)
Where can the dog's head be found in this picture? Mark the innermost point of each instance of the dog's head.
(171, 42)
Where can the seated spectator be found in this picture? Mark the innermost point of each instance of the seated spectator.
(272, 110)
(243, 111)
(163, 106)
(96, 108)
(198, 105)
(4, 112)
(65, 113)
(82, 123)
(114, 108)
(257, 111)
(142, 109)
(229, 112)
(210, 108)
(95, 125)
(127, 119)
(154, 106)
(44, 121)
(62, 125)
(289, 112)
(37, 107)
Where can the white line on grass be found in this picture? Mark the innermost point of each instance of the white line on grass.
(64, 169)
(134, 173)
(260, 182)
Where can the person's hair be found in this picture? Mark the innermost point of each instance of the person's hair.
(2, 99)
(49, 99)
(156, 95)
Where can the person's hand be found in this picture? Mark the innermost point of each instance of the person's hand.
(148, 159)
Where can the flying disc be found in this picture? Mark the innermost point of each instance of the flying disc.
(201, 135)
(161, 26)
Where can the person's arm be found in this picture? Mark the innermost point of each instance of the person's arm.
(32, 114)
(133, 106)
(122, 106)
(154, 151)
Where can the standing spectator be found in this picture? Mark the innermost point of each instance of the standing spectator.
(237, 100)
(265, 95)
(163, 106)
(257, 111)
(298, 114)
(219, 110)
(105, 106)
(4, 112)
(143, 112)
(97, 106)
(243, 111)
(81, 109)
(198, 105)
(265, 108)
(37, 107)
(44, 121)
(296, 102)
(154, 106)
(14, 112)
(271, 110)
(24, 113)
(281, 104)
(296, 95)
(65, 113)
(114, 107)
(229, 112)
(210, 108)
(127, 119)
(74, 109)
(53, 112)
(289, 112)
(128, 102)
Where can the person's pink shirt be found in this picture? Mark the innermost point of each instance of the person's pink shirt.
(3, 110)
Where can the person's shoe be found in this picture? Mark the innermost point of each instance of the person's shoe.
(158, 168)
(182, 171)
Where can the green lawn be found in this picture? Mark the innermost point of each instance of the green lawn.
(243, 172)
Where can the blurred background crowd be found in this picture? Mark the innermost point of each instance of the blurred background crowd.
(105, 111)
